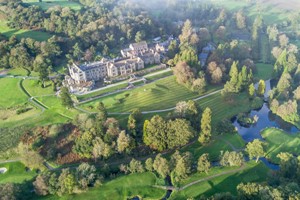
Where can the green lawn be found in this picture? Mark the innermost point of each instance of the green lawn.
(11, 94)
(16, 173)
(37, 35)
(272, 11)
(46, 4)
(162, 94)
(225, 183)
(225, 110)
(35, 89)
(280, 141)
(264, 71)
(121, 188)
(215, 147)
(100, 92)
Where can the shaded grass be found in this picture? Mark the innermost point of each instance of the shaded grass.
(11, 94)
(16, 173)
(23, 33)
(254, 172)
(35, 89)
(215, 147)
(264, 71)
(46, 4)
(280, 141)
(121, 188)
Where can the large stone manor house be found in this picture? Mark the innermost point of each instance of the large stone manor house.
(134, 58)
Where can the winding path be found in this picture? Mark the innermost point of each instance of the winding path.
(200, 180)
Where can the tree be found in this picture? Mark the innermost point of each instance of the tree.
(155, 133)
(203, 163)
(232, 159)
(186, 33)
(216, 76)
(85, 175)
(149, 164)
(67, 182)
(283, 41)
(183, 73)
(251, 90)
(179, 132)
(77, 53)
(139, 36)
(41, 184)
(10, 191)
(161, 166)
(124, 142)
(136, 166)
(102, 111)
(134, 122)
(199, 85)
(66, 99)
(205, 133)
(30, 158)
(255, 149)
(101, 149)
(284, 82)
(84, 145)
(272, 32)
(182, 167)
(240, 20)
(261, 88)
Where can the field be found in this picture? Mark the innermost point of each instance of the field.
(16, 173)
(121, 188)
(280, 141)
(271, 10)
(253, 173)
(36, 35)
(11, 94)
(46, 4)
(162, 94)
(214, 148)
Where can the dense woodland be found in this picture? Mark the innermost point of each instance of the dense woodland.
(98, 140)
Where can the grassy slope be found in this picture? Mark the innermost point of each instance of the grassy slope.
(37, 35)
(11, 94)
(46, 4)
(216, 146)
(280, 141)
(264, 71)
(162, 94)
(253, 172)
(271, 10)
(122, 188)
(16, 173)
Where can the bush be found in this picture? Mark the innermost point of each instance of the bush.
(257, 103)
(225, 127)
(22, 110)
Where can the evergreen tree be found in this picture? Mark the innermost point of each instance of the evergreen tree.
(261, 88)
(251, 90)
(205, 133)
(66, 99)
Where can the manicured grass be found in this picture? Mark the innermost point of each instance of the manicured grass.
(11, 94)
(53, 103)
(215, 147)
(104, 91)
(264, 71)
(279, 141)
(21, 72)
(225, 110)
(16, 173)
(46, 4)
(162, 94)
(35, 89)
(36, 35)
(271, 10)
(121, 188)
(226, 183)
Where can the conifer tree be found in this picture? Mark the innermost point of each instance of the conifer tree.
(205, 134)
